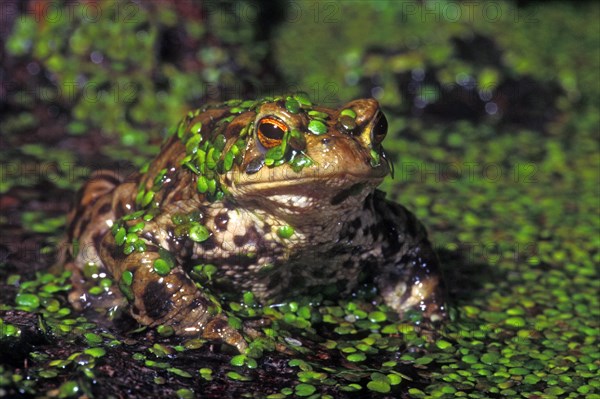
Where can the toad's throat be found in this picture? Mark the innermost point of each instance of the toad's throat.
(308, 204)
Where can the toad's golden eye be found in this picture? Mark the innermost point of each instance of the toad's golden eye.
(380, 128)
(270, 132)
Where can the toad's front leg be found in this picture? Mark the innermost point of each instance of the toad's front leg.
(414, 284)
(410, 277)
(171, 299)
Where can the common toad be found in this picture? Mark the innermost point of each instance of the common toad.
(275, 196)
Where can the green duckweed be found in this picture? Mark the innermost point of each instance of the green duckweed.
(317, 127)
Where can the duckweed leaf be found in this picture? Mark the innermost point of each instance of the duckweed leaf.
(303, 390)
(317, 127)
(199, 233)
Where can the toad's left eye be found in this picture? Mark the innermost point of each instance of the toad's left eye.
(270, 132)
(380, 128)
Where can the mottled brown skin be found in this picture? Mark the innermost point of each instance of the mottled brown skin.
(343, 227)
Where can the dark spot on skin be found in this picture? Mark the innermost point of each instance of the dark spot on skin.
(113, 250)
(240, 260)
(355, 224)
(221, 221)
(375, 232)
(351, 229)
(239, 240)
(104, 209)
(392, 238)
(368, 269)
(372, 231)
(184, 248)
(109, 249)
(326, 141)
(345, 194)
(250, 237)
(151, 248)
(156, 299)
(350, 235)
(370, 263)
(120, 210)
(342, 248)
(176, 242)
(209, 244)
(97, 238)
(366, 231)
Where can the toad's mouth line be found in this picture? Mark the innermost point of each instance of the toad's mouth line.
(310, 184)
